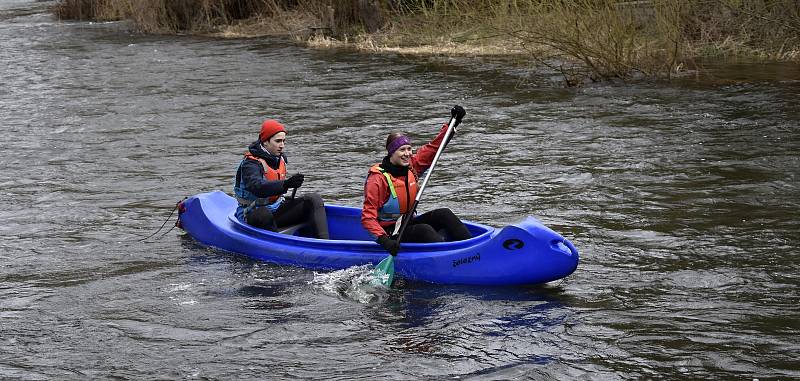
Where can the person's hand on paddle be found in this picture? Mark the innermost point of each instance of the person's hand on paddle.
(457, 112)
(293, 182)
(390, 245)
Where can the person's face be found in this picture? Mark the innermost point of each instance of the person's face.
(275, 144)
(402, 156)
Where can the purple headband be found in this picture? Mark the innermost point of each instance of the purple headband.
(397, 143)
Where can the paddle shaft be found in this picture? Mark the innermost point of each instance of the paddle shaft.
(410, 213)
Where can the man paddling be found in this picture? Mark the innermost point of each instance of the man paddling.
(261, 183)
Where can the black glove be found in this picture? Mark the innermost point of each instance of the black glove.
(293, 182)
(457, 112)
(390, 245)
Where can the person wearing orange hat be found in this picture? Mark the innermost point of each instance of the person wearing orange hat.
(261, 183)
(390, 190)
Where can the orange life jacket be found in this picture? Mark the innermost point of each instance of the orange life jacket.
(269, 173)
(400, 199)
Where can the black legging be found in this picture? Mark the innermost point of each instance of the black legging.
(427, 226)
(305, 208)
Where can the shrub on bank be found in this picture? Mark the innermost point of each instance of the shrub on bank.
(583, 39)
(204, 16)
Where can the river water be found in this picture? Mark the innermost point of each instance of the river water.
(683, 199)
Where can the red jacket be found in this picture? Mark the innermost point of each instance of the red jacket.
(376, 188)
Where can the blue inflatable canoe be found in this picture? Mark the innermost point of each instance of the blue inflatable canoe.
(523, 253)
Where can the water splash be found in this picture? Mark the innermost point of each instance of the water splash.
(355, 283)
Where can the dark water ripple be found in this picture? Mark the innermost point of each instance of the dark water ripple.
(682, 198)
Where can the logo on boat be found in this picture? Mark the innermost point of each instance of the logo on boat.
(513, 244)
(474, 258)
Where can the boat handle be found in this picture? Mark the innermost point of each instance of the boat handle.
(564, 246)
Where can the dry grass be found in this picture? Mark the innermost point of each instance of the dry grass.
(291, 23)
(230, 17)
(586, 40)
(595, 40)
(765, 29)
(99, 10)
(583, 39)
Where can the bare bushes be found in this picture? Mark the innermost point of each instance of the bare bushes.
(158, 16)
(585, 40)
(594, 39)
(193, 15)
(432, 22)
(99, 10)
(744, 28)
(166, 15)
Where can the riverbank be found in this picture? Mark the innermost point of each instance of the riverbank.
(682, 198)
(584, 40)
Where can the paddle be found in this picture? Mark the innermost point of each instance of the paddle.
(384, 272)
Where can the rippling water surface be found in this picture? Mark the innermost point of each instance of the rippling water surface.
(683, 199)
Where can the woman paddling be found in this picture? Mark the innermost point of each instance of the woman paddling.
(391, 188)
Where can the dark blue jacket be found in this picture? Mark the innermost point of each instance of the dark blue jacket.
(250, 177)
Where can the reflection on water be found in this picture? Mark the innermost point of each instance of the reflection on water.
(681, 197)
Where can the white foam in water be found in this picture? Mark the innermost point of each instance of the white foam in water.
(354, 283)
